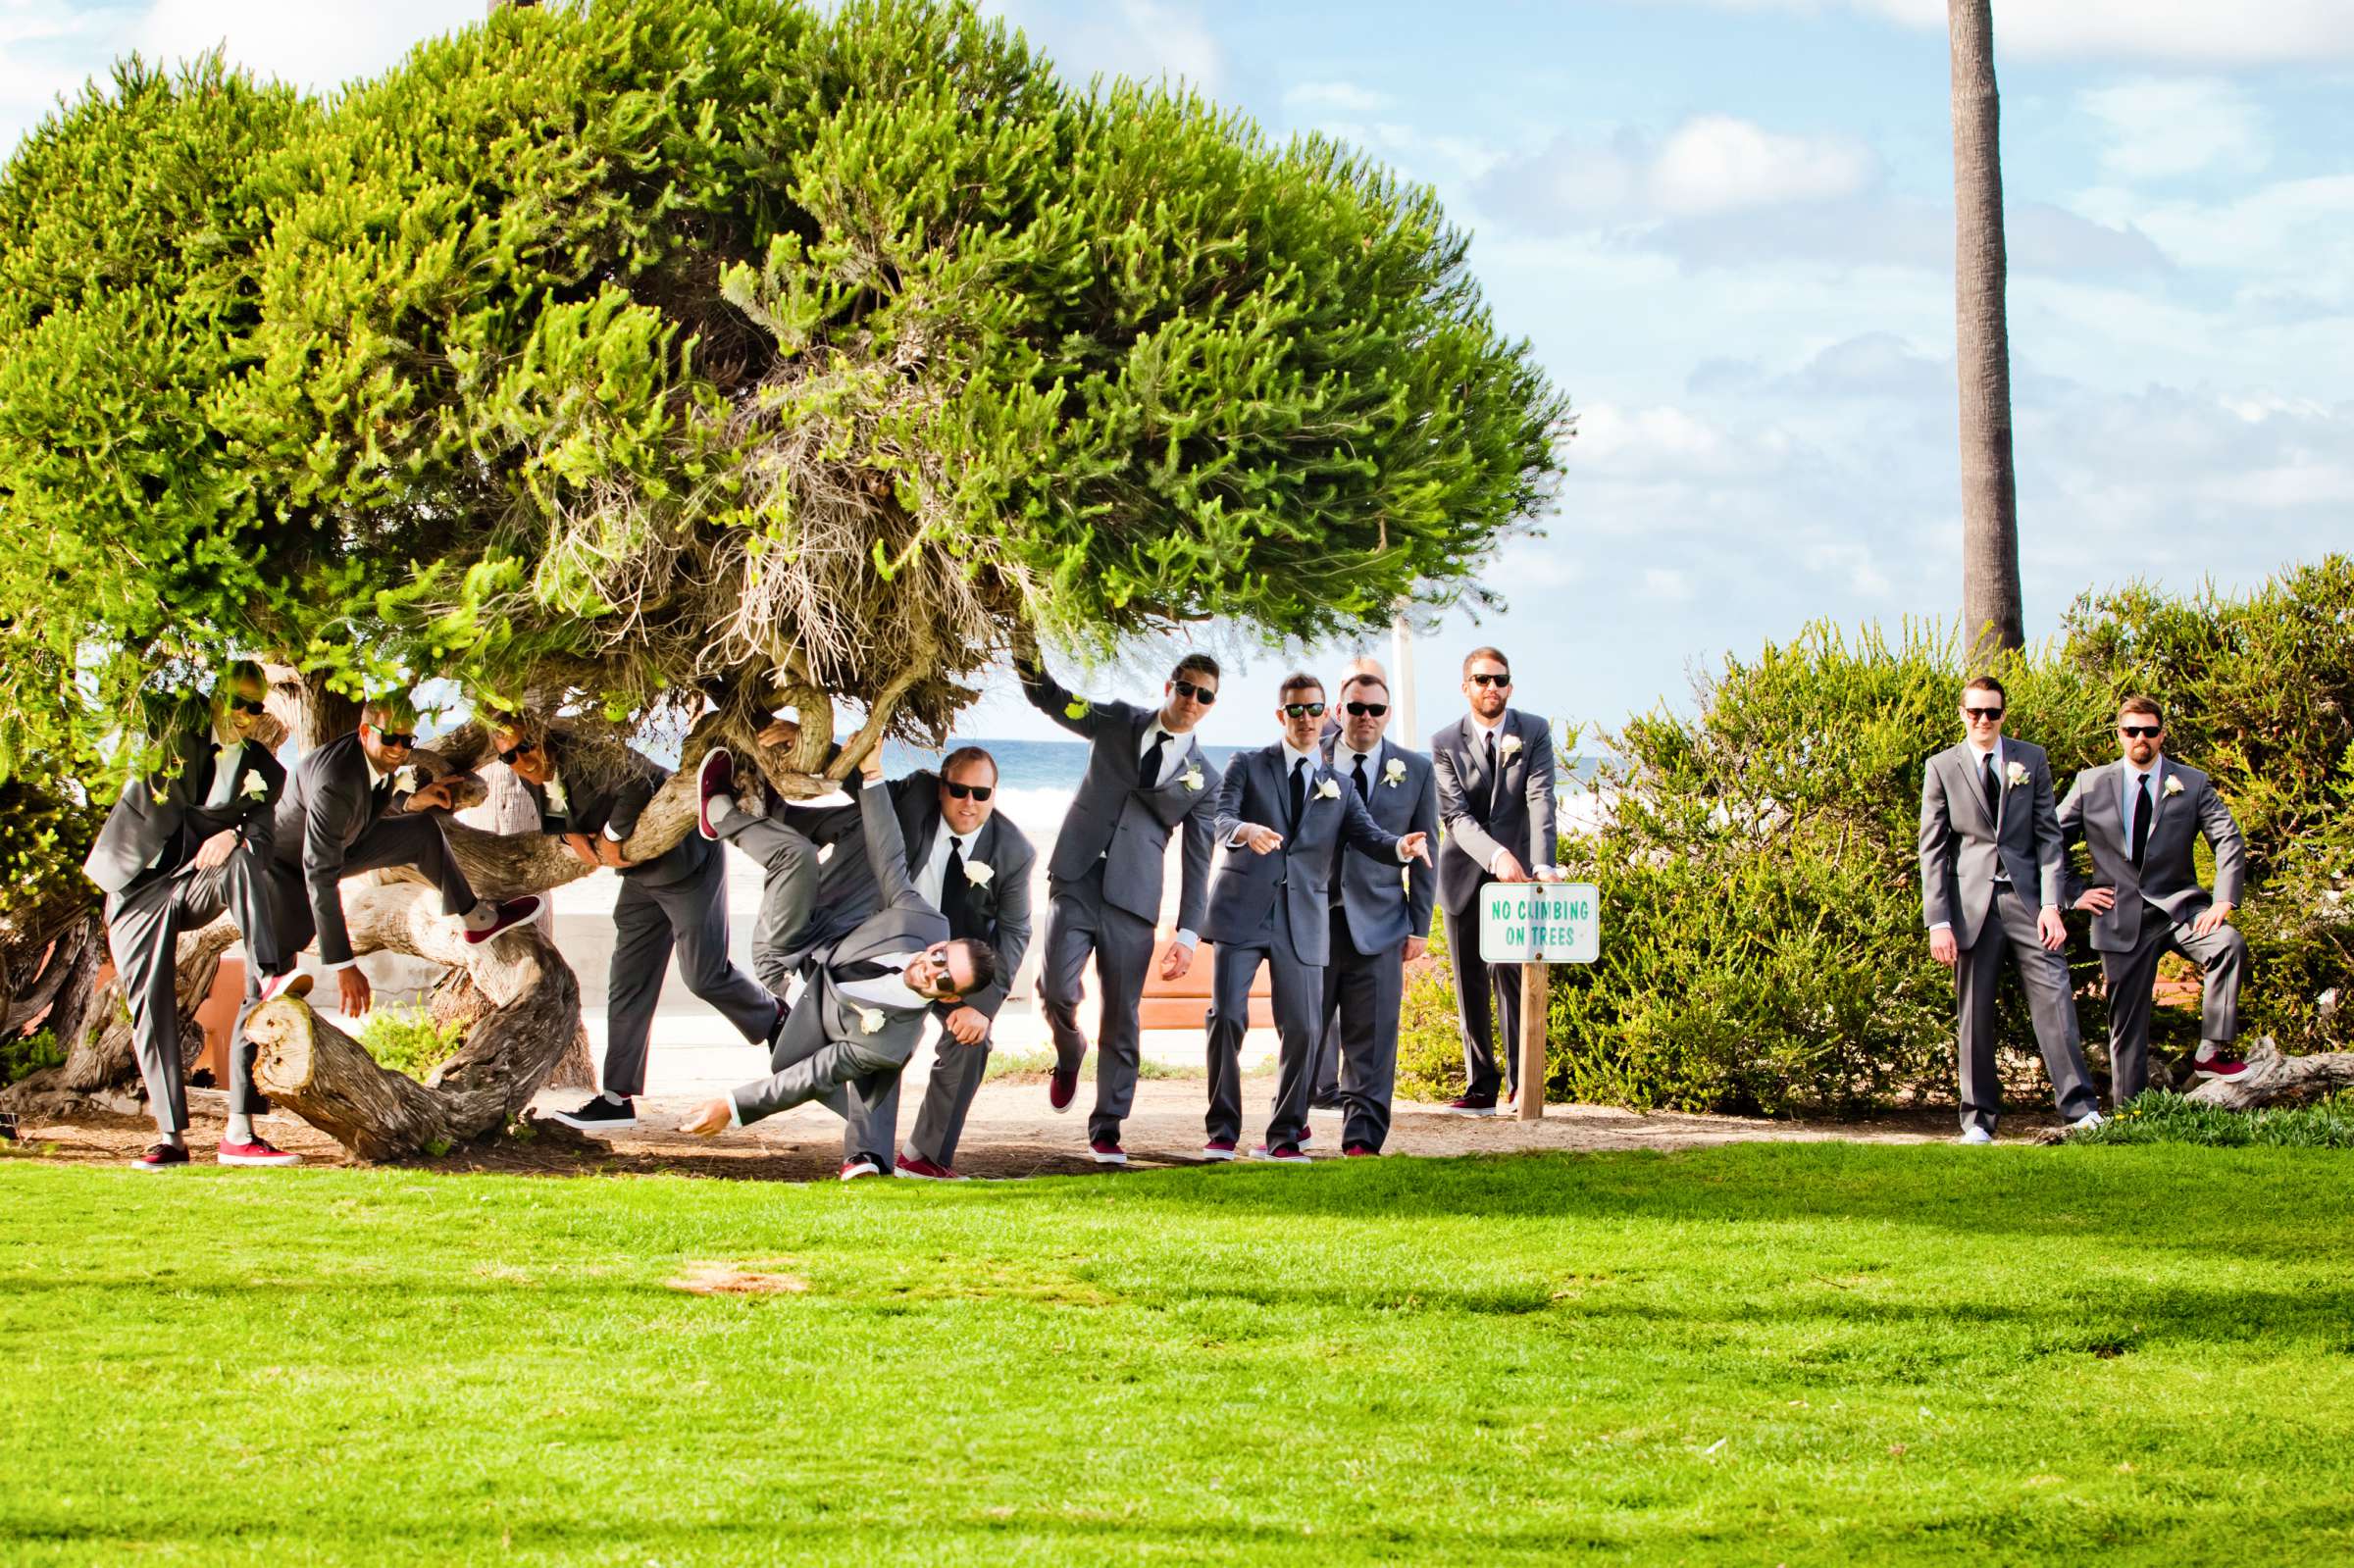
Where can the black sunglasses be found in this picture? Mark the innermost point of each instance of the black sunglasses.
(253, 705)
(1483, 679)
(394, 740)
(1293, 710)
(2141, 732)
(1983, 713)
(1204, 695)
(509, 755)
(965, 791)
(1367, 710)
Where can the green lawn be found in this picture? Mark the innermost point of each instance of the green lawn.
(1759, 1354)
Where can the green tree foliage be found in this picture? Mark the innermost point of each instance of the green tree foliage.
(640, 351)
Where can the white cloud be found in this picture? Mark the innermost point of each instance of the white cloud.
(2162, 130)
(1146, 41)
(2200, 32)
(1718, 163)
(1666, 583)
(1334, 97)
(318, 44)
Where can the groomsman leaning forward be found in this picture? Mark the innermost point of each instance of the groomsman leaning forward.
(1380, 917)
(1990, 843)
(590, 797)
(2140, 817)
(1283, 818)
(175, 851)
(861, 1014)
(1495, 800)
(1146, 777)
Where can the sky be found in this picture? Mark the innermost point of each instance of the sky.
(1725, 227)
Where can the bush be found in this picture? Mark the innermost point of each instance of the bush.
(23, 1055)
(2159, 1117)
(406, 1039)
(1762, 949)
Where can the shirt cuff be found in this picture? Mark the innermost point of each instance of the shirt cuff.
(1240, 837)
(735, 1113)
(1943, 925)
(1187, 939)
(877, 781)
(1500, 853)
(1402, 856)
(613, 838)
(338, 969)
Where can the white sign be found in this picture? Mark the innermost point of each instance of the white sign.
(1540, 923)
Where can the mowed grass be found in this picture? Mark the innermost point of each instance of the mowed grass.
(1821, 1353)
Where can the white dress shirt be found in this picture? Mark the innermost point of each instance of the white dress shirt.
(227, 764)
(1172, 755)
(931, 880)
(1495, 731)
(889, 991)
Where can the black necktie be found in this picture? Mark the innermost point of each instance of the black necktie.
(1299, 791)
(1357, 777)
(2141, 823)
(851, 972)
(1994, 792)
(1148, 772)
(1495, 773)
(381, 795)
(956, 892)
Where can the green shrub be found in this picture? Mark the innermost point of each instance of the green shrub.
(2159, 1117)
(23, 1055)
(406, 1039)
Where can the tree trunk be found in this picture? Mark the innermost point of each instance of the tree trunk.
(57, 992)
(1992, 617)
(2273, 1078)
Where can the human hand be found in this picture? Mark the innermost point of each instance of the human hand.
(2100, 901)
(352, 992)
(578, 845)
(1415, 947)
(712, 1116)
(2212, 919)
(1415, 847)
(214, 852)
(1507, 868)
(1180, 959)
(2052, 929)
(1262, 840)
(609, 853)
(440, 795)
(968, 1025)
(778, 733)
(870, 765)
(1943, 948)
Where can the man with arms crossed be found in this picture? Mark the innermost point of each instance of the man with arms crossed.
(1146, 777)
(1380, 917)
(1989, 842)
(175, 852)
(2140, 816)
(1272, 904)
(1496, 799)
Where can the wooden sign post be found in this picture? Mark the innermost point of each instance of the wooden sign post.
(1534, 924)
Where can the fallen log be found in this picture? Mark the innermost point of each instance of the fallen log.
(2274, 1078)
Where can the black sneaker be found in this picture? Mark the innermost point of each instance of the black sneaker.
(603, 1114)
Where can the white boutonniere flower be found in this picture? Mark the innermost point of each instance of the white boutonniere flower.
(2173, 786)
(2015, 773)
(404, 779)
(978, 872)
(556, 800)
(1393, 772)
(870, 1020)
(1508, 746)
(1328, 790)
(1191, 779)
(256, 786)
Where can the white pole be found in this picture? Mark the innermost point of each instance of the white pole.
(1402, 680)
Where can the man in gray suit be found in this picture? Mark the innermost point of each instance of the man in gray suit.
(1283, 817)
(1380, 919)
(863, 1013)
(807, 885)
(1494, 775)
(175, 852)
(355, 805)
(590, 798)
(1146, 777)
(2140, 817)
(1989, 842)
(1324, 1086)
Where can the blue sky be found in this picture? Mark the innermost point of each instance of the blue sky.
(1725, 225)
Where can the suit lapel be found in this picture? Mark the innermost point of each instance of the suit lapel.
(1965, 765)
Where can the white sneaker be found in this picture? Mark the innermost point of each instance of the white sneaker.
(2087, 1122)
(1977, 1134)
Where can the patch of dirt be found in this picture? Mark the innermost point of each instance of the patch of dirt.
(738, 1279)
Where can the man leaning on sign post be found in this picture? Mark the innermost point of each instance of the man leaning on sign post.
(1494, 775)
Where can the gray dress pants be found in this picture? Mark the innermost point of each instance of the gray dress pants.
(2009, 930)
(649, 922)
(1080, 923)
(1298, 990)
(956, 1072)
(1363, 992)
(143, 925)
(850, 1077)
(788, 890)
(1483, 993)
(2223, 953)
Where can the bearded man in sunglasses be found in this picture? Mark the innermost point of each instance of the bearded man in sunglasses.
(1992, 869)
(175, 851)
(2140, 817)
(1495, 773)
(357, 804)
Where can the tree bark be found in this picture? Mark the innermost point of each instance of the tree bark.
(2274, 1078)
(1992, 616)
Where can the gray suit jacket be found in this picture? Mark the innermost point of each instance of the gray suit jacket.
(166, 817)
(608, 788)
(1256, 791)
(1960, 844)
(904, 923)
(2169, 875)
(1483, 813)
(328, 806)
(1385, 905)
(1117, 818)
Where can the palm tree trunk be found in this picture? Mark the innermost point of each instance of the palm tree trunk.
(1991, 614)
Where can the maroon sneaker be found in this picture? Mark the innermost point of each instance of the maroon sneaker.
(1218, 1149)
(294, 982)
(2220, 1067)
(260, 1151)
(860, 1165)
(514, 912)
(1473, 1105)
(924, 1170)
(1361, 1151)
(161, 1158)
(1061, 1088)
(718, 777)
(1280, 1154)
(1307, 1135)
(1108, 1151)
